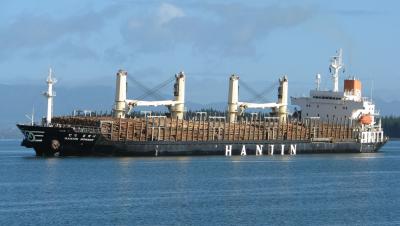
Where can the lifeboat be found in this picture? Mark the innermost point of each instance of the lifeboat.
(365, 119)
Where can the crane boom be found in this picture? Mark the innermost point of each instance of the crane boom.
(152, 103)
(259, 105)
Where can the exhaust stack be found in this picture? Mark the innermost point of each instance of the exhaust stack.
(120, 94)
(179, 92)
(283, 98)
(233, 98)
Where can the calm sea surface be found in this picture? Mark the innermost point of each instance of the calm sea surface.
(330, 189)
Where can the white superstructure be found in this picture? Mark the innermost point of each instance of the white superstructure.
(341, 106)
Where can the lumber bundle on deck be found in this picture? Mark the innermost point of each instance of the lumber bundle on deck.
(167, 129)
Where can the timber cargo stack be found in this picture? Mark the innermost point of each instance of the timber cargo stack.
(329, 121)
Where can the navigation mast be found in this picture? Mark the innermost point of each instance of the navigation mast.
(334, 68)
(50, 94)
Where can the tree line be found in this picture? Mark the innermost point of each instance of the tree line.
(391, 126)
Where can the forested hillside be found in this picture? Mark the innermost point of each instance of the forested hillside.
(391, 126)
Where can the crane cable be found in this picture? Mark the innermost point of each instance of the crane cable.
(157, 88)
(264, 92)
(257, 95)
(248, 88)
(151, 92)
(143, 87)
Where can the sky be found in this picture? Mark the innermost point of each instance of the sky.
(86, 42)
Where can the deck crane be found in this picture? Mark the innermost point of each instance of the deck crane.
(234, 105)
(176, 106)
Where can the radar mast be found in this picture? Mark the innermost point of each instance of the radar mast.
(334, 68)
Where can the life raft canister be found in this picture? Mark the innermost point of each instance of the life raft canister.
(365, 119)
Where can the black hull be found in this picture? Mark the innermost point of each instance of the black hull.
(219, 148)
(83, 143)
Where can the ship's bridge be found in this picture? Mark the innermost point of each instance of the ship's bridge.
(329, 106)
(326, 95)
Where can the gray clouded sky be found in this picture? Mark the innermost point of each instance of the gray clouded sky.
(86, 42)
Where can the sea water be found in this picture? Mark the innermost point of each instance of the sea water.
(317, 189)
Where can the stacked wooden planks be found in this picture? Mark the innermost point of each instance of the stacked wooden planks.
(167, 129)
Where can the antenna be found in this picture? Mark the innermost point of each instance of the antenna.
(318, 81)
(334, 68)
(32, 117)
(50, 78)
(372, 88)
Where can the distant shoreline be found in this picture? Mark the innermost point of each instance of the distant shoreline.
(11, 139)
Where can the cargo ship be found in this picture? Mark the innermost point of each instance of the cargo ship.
(327, 121)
